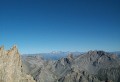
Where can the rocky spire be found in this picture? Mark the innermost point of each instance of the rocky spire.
(10, 66)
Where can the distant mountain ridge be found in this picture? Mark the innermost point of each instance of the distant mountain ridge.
(116, 52)
(55, 55)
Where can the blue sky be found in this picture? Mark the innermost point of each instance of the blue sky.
(60, 25)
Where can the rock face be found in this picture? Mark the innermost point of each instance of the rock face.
(11, 66)
(93, 66)
(32, 64)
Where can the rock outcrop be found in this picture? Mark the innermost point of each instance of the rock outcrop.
(11, 66)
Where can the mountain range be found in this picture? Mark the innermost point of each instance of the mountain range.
(91, 66)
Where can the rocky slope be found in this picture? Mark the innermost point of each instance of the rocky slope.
(93, 66)
(11, 66)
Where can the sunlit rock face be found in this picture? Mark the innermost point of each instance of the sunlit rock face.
(11, 66)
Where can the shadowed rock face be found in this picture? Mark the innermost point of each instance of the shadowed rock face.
(94, 66)
(11, 66)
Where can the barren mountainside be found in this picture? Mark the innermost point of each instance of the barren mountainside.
(93, 66)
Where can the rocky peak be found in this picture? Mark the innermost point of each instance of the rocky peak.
(96, 53)
(14, 48)
(11, 66)
(13, 51)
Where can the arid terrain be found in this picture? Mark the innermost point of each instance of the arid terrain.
(92, 66)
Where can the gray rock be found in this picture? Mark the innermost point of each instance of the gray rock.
(93, 66)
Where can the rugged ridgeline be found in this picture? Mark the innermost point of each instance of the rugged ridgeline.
(94, 66)
(11, 67)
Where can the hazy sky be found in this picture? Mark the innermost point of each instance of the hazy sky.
(60, 25)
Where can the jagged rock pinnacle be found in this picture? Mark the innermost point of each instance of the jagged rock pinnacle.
(10, 66)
